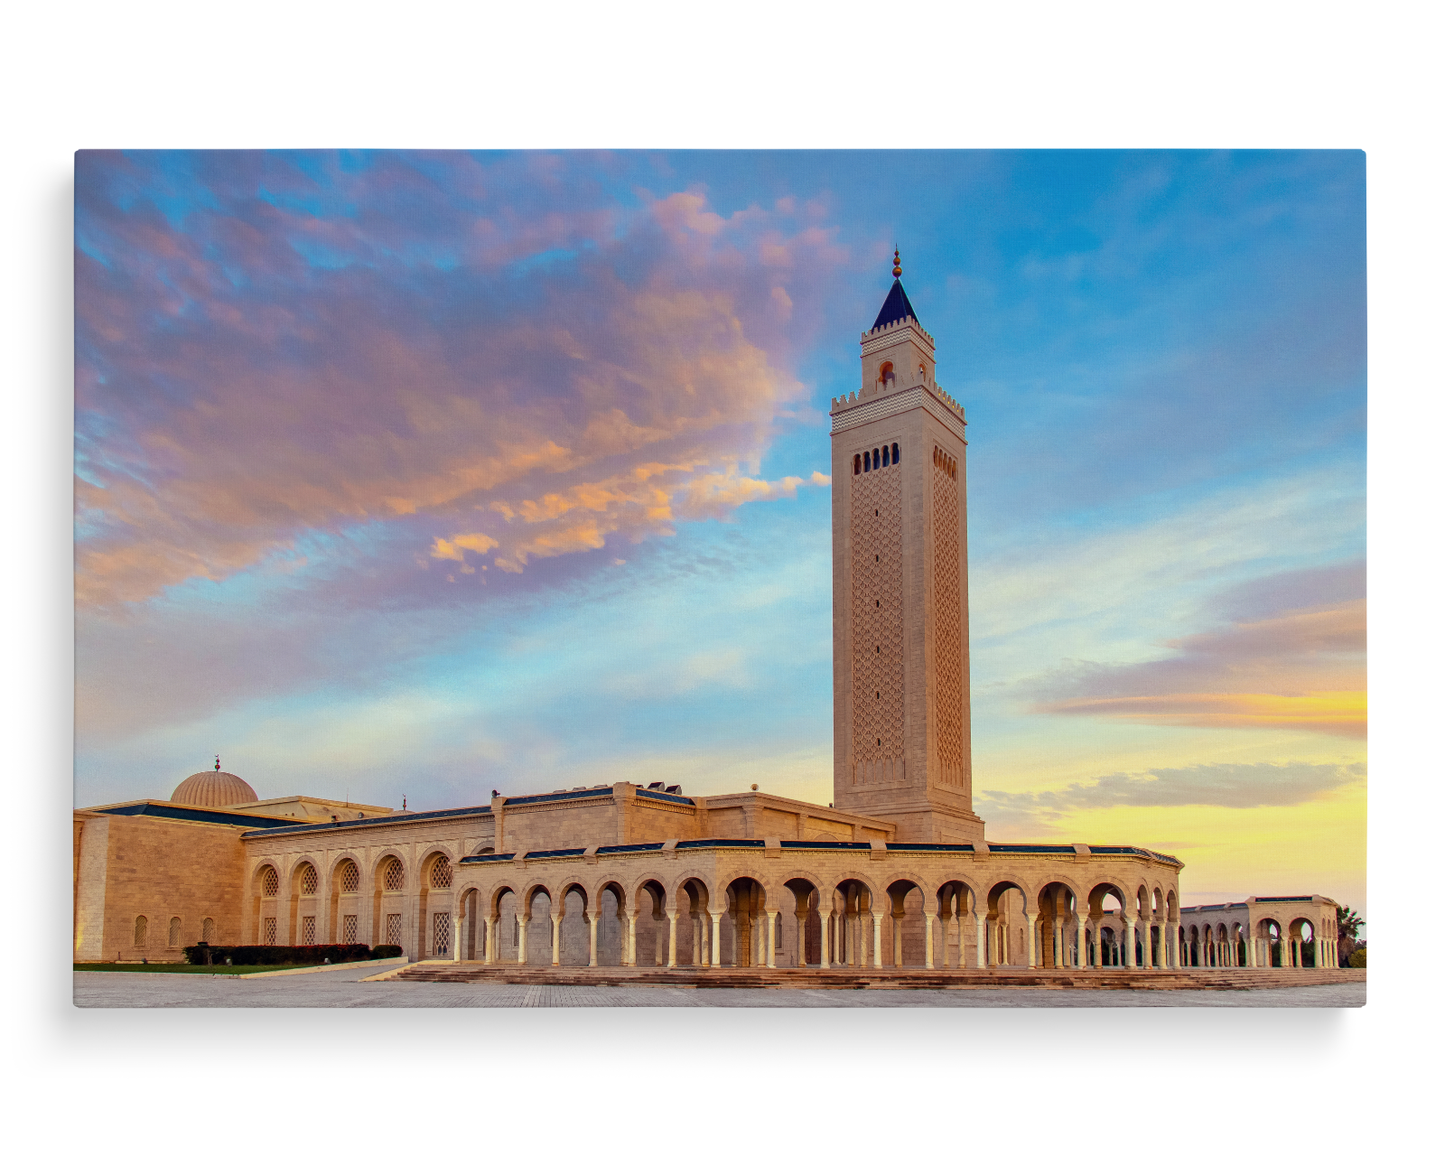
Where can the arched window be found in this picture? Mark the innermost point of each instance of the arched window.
(208, 930)
(140, 931)
(857, 464)
(441, 873)
(393, 877)
(350, 877)
(875, 459)
(885, 374)
(866, 466)
(308, 879)
(895, 453)
(270, 883)
(174, 939)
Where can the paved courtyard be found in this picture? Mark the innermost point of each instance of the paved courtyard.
(100, 989)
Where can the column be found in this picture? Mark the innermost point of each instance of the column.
(1129, 922)
(1147, 926)
(716, 938)
(459, 925)
(592, 940)
(980, 923)
(705, 939)
(672, 939)
(802, 939)
(522, 921)
(696, 940)
(772, 939)
(629, 948)
(897, 942)
(877, 939)
(1033, 948)
(1082, 939)
(556, 939)
(824, 932)
(489, 940)
(928, 922)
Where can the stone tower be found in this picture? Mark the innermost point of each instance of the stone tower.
(901, 736)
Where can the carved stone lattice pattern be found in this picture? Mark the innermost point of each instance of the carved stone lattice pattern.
(268, 931)
(393, 929)
(270, 882)
(308, 930)
(947, 624)
(348, 929)
(394, 876)
(208, 930)
(350, 877)
(441, 933)
(141, 926)
(308, 879)
(877, 610)
(175, 936)
(441, 874)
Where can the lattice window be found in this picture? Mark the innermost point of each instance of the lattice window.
(174, 938)
(393, 929)
(948, 621)
(877, 613)
(270, 882)
(348, 929)
(268, 931)
(441, 933)
(208, 930)
(309, 879)
(141, 927)
(350, 877)
(393, 876)
(308, 930)
(441, 873)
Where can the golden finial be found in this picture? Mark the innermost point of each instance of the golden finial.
(897, 265)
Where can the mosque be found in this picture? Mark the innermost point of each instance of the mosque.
(896, 872)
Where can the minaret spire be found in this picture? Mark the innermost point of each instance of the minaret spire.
(897, 265)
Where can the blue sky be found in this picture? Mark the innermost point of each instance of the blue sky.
(439, 473)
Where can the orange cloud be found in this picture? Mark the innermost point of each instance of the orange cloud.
(1342, 713)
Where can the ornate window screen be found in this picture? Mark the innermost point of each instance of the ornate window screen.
(393, 929)
(174, 939)
(308, 879)
(268, 931)
(441, 873)
(348, 929)
(270, 882)
(350, 877)
(441, 933)
(140, 930)
(308, 929)
(394, 877)
(208, 930)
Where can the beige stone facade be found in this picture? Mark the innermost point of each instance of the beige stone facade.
(896, 873)
(1267, 931)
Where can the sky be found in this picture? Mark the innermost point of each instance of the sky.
(438, 473)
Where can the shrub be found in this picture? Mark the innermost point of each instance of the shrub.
(1357, 957)
(256, 953)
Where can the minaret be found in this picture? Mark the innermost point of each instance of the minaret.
(900, 589)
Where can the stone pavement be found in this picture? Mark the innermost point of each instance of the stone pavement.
(100, 989)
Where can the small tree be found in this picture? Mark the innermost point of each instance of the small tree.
(1349, 924)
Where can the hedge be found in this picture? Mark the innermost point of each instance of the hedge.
(254, 953)
(1357, 957)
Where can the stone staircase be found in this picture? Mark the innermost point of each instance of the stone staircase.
(841, 979)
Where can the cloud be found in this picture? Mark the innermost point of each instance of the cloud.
(1301, 667)
(309, 347)
(1231, 785)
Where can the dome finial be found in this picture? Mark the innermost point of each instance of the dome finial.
(897, 265)
(218, 762)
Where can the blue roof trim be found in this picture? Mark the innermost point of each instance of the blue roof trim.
(691, 844)
(560, 796)
(1033, 848)
(1282, 899)
(823, 844)
(665, 797)
(623, 848)
(561, 853)
(399, 817)
(930, 847)
(487, 858)
(1144, 851)
(222, 818)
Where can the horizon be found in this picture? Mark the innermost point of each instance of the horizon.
(439, 473)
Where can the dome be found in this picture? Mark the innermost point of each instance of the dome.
(214, 789)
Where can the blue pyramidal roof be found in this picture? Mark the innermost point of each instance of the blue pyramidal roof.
(895, 307)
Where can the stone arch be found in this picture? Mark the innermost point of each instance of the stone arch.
(744, 940)
(1006, 941)
(910, 944)
(956, 904)
(1299, 956)
(1057, 939)
(846, 911)
(470, 930)
(691, 898)
(610, 911)
(805, 942)
(648, 924)
(576, 912)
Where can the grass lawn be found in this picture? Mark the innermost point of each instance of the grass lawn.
(195, 968)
